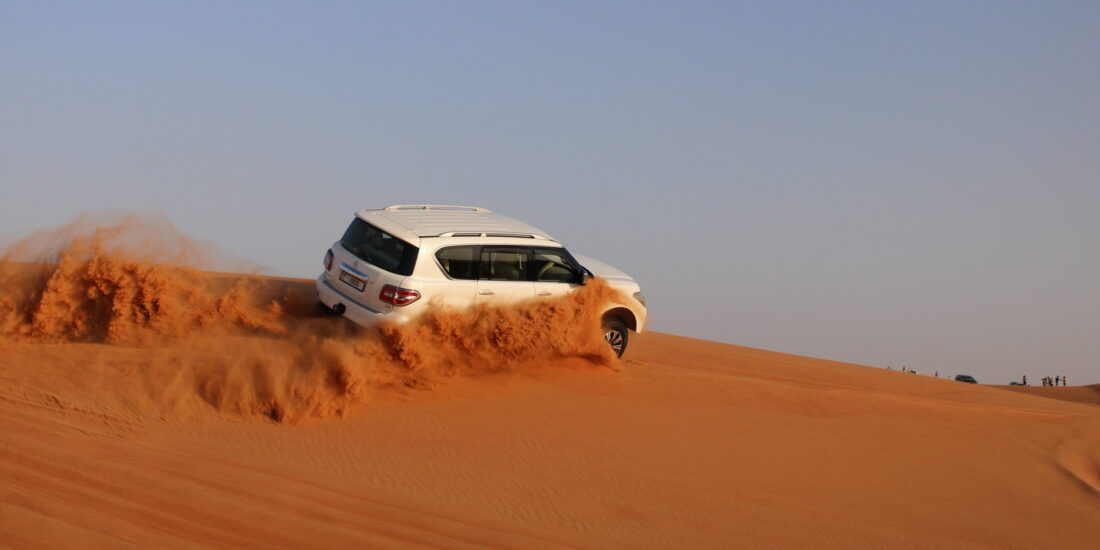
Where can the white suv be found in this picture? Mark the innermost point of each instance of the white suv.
(395, 262)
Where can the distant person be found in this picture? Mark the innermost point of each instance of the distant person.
(1025, 379)
(1063, 380)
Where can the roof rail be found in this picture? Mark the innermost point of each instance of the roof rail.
(486, 234)
(452, 207)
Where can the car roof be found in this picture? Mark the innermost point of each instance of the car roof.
(410, 222)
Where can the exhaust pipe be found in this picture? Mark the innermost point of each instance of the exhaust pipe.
(339, 309)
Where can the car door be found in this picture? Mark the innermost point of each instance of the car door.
(504, 275)
(555, 272)
(458, 289)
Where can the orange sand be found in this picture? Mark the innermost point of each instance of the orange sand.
(150, 406)
(691, 444)
(1080, 394)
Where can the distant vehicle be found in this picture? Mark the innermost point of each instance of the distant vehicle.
(965, 378)
(393, 263)
(1015, 383)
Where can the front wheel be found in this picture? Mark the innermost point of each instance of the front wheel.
(616, 335)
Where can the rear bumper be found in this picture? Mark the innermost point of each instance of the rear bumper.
(355, 312)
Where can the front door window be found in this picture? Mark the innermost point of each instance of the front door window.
(554, 265)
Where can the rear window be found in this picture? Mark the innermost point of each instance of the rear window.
(378, 248)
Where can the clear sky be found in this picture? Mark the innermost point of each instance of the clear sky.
(888, 183)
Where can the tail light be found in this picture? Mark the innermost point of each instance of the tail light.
(398, 296)
(328, 260)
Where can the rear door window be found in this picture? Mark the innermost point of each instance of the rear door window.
(460, 262)
(500, 263)
(378, 248)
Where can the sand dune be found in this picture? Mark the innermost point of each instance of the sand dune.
(690, 444)
(197, 410)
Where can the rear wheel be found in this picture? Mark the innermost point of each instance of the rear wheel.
(616, 335)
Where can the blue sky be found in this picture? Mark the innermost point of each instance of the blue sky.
(884, 183)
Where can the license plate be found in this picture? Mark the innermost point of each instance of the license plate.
(356, 282)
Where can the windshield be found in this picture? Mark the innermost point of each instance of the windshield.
(378, 248)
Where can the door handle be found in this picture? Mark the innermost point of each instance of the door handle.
(544, 293)
(486, 292)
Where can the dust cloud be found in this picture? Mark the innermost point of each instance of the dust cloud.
(248, 345)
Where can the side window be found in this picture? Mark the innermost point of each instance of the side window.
(554, 264)
(504, 263)
(460, 262)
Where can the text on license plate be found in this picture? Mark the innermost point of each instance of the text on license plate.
(352, 280)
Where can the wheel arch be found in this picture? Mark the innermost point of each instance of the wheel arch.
(624, 315)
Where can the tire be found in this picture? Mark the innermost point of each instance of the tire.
(616, 335)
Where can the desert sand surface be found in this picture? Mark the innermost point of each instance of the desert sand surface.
(148, 407)
(1081, 394)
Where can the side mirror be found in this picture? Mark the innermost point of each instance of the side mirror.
(584, 276)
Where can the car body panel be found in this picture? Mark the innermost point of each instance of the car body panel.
(622, 282)
(347, 268)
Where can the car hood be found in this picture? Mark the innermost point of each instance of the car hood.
(606, 271)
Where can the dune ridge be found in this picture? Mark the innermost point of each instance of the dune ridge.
(1081, 394)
